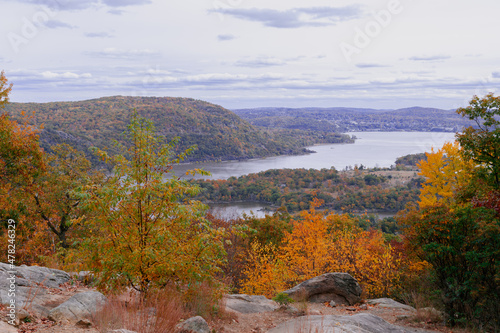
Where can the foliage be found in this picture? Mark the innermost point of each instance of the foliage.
(456, 228)
(265, 273)
(147, 232)
(21, 163)
(5, 90)
(482, 144)
(445, 172)
(321, 243)
(294, 189)
(283, 299)
(411, 160)
(52, 197)
(462, 245)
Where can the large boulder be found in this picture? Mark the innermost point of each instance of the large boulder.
(341, 288)
(389, 304)
(249, 303)
(79, 308)
(29, 284)
(193, 325)
(358, 323)
(29, 275)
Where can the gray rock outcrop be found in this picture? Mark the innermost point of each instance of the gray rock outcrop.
(79, 308)
(358, 323)
(389, 304)
(249, 303)
(193, 325)
(30, 285)
(341, 288)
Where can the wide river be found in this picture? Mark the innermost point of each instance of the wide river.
(371, 149)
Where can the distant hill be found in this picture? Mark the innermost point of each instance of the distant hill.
(357, 119)
(219, 133)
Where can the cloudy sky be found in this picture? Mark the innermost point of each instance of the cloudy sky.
(250, 53)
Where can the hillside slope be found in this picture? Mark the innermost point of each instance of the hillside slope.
(218, 132)
(357, 119)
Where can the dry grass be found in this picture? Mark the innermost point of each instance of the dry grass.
(159, 312)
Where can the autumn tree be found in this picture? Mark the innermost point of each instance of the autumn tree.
(53, 197)
(320, 243)
(5, 90)
(482, 144)
(147, 231)
(21, 162)
(456, 227)
(445, 172)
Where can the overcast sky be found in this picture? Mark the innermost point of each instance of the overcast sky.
(250, 53)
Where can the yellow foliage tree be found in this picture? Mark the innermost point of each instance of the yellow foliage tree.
(320, 243)
(266, 274)
(445, 171)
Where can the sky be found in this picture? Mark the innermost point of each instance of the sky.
(380, 54)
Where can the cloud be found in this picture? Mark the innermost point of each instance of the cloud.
(260, 62)
(430, 58)
(84, 4)
(65, 75)
(115, 53)
(116, 11)
(55, 24)
(98, 35)
(370, 65)
(294, 18)
(496, 75)
(123, 3)
(226, 37)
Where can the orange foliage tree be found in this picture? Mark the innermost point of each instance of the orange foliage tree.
(320, 243)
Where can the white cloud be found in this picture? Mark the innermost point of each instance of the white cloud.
(65, 75)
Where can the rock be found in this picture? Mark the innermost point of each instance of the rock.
(363, 307)
(358, 323)
(7, 328)
(249, 304)
(78, 308)
(193, 325)
(332, 304)
(342, 288)
(314, 313)
(389, 303)
(26, 275)
(122, 330)
(22, 315)
(30, 286)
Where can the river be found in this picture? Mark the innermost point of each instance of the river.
(371, 149)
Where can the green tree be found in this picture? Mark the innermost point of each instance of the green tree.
(148, 232)
(463, 246)
(482, 144)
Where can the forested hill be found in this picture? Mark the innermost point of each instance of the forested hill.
(218, 132)
(357, 119)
